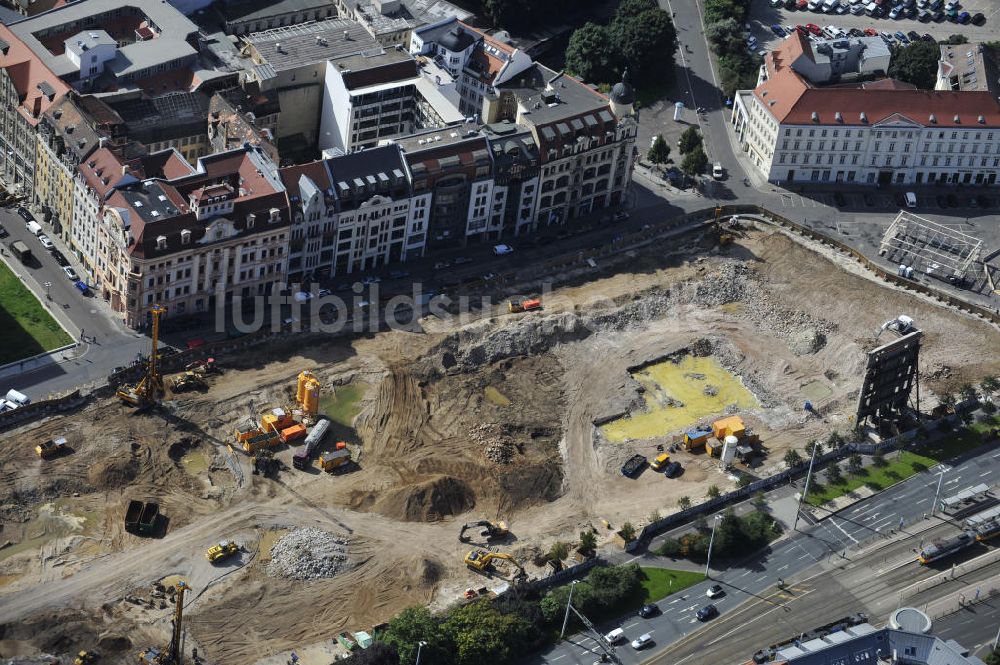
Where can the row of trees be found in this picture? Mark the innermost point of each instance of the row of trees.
(735, 536)
(504, 630)
(724, 20)
(641, 37)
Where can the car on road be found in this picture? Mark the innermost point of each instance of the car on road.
(978, 19)
(718, 171)
(302, 296)
(71, 274)
(649, 610)
(621, 216)
(58, 256)
(642, 641)
(615, 636)
(707, 612)
(441, 265)
(25, 214)
(672, 470)
(324, 292)
(500, 250)
(715, 591)
(46, 243)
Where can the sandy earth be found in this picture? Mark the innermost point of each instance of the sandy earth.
(69, 567)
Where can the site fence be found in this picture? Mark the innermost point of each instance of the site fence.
(563, 576)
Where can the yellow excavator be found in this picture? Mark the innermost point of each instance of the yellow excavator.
(172, 655)
(491, 530)
(149, 389)
(481, 561)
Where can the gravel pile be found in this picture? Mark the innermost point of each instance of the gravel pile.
(308, 553)
(494, 441)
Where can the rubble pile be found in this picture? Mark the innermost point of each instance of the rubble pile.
(494, 441)
(308, 553)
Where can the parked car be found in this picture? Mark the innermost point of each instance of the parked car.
(978, 19)
(650, 610)
(672, 470)
(707, 612)
(25, 214)
(913, 35)
(802, 5)
(791, 5)
(73, 277)
(814, 29)
(58, 256)
(3, 232)
(901, 36)
(911, 12)
(778, 30)
(854, 32)
(620, 216)
(896, 12)
(500, 250)
(715, 591)
(964, 18)
(925, 16)
(871, 32)
(642, 641)
(46, 243)
(927, 37)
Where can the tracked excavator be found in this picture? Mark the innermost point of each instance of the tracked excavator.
(481, 561)
(150, 387)
(172, 655)
(491, 530)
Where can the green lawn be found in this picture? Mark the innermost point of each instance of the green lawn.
(661, 582)
(901, 468)
(959, 440)
(26, 329)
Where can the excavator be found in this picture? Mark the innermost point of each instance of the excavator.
(481, 561)
(491, 530)
(145, 394)
(189, 380)
(172, 656)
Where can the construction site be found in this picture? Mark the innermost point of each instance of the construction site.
(300, 495)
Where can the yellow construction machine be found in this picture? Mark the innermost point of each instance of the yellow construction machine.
(223, 550)
(491, 530)
(85, 658)
(172, 655)
(150, 387)
(481, 561)
(189, 380)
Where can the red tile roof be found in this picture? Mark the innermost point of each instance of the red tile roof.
(27, 71)
(315, 171)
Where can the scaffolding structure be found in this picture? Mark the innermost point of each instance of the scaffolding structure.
(931, 248)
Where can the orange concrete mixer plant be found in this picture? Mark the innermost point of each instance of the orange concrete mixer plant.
(307, 393)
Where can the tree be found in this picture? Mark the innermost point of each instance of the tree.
(759, 501)
(989, 385)
(588, 542)
(631, 8)
(854, 464)
(627, 532)
(689, 140)
(814, 444)
(481, 634)
(590, 54)
(684, 502)
(878, 461)
(833, 473)
(553, 604)
(559, 551)
(413, 625)
(992, 658)
(948, 401)
(956, 40)
(670, 548)
(967, 392)
(916, 64)
(835, 440)
(792, 458)
(743, 480)
(646, 42)
(726, 36)
(379, 653)
(659, 152)
(694, 162)
(713, 492)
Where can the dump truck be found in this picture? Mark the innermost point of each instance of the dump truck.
(224, 549)
(188, 381)
(523, 305)
(132, 515)
(632, 467)
(51, 448)
(335, 460)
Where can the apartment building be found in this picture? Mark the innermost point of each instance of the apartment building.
(248, 16)
(516, 171)
(29, 89)
(883, 132)
(66, 137)
(183, 242)
(392, 22)
(173, 120)
(236, 118)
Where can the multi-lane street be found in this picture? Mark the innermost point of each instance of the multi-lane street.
(855, 561)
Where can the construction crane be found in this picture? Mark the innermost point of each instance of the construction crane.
(173, 655)
(491, 530)
(145, 393)
(902, 324)
(481, 561)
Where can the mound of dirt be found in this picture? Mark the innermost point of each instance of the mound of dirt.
(428, 501)
(113, 472)
(308, 553)
(806, 341)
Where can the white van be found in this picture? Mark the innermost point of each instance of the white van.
(18, 398)
(34, 227)
(615, 636)
(717, 171)
(911, 200)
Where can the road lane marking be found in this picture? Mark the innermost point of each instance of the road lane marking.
(761, 579)
(841, 529)
(755, 618)
(803, 556)
(785, 567)
(923, 501)
(631, 624)
(558, 657)
(745, 574)
(986, 473)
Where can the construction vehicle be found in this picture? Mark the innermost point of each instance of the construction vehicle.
(524, 305)
(659, 461)
(202, 367)
(303, 458)
(633, 466)
(145, 394)
(51, 448)
(142, 518)
(172, 654)
(224, 549)
(481, 561)
(85, 658)
(276, 420)
(902, 325)
(491, 530)
(188, 381)
(263, 463)
(336, 460)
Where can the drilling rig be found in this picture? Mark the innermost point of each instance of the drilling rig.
(172, 655)
(150, 387)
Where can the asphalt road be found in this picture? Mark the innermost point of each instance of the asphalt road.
(975, 627)
(814, 549)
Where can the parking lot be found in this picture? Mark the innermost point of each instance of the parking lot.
(763, 16)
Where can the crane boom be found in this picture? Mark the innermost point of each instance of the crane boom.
(175, 641)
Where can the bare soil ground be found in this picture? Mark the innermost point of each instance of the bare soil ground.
(493, 419)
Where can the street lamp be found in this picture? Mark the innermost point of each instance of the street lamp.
(711, 541)
(568, 601)
(47, 286)
(420, 645)
(805, 490)
(937, 493)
